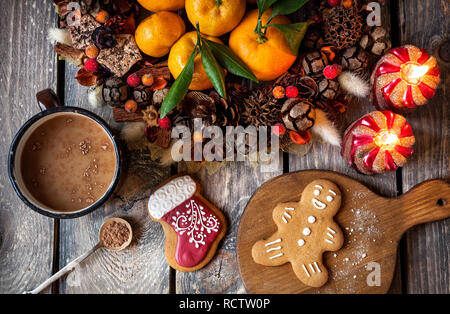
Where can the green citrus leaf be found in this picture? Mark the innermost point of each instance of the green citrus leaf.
(294, 33)
(283, 7)
(213, 69)
(263, 5)
(180, 86)
(230, 61)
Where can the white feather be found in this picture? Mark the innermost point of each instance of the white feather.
(326, 129)
(132, 131)
(353, 84)
(57, 35)
(94, 97)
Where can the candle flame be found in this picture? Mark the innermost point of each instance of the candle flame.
(386, 140)
(416, 72)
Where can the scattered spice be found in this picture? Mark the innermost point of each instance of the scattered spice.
(115, 234)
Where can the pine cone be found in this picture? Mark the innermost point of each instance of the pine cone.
(261, 109)
(212, 109)
(198, 105)
(342, 27)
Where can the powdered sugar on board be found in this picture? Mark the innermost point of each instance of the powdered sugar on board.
(348, 265)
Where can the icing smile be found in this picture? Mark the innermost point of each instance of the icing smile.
(318, 204)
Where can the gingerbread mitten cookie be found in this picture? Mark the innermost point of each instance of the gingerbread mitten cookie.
(305, 230)
(192, 225)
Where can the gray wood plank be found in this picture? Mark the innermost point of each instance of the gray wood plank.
(229, 189)
(27, 66)
(426, 24)
(327, 157)
(141, 268)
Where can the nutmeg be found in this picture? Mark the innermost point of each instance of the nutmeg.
(298, 114)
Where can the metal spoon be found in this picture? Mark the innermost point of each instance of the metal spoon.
(69, 267)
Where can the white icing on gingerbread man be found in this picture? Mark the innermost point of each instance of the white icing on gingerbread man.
(303, 235)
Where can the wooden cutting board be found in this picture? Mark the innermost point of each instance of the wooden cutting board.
(372, 226)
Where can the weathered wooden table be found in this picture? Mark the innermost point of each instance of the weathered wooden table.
(32, 247)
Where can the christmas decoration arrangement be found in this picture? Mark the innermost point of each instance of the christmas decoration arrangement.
(192, 225)
(306, 229)
(157, 70)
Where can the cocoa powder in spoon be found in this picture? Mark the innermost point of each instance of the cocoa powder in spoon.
(115, 234)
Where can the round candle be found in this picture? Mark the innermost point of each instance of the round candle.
(404, 78)
(380, 141)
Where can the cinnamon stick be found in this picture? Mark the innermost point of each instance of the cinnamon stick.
(159, 69)
(164, 137)
(69, 52)
(121, 115)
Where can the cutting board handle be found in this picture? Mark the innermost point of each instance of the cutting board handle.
(426, 202)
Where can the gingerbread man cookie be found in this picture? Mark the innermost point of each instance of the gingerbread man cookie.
(192, 225)
(306, 229)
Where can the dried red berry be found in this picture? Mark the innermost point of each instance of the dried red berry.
(91, 65)
(291, 91)
(331, 71)
(164, 123)
(334, 3)
(279, 129)
(133, 80)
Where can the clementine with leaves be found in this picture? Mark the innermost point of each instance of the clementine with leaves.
(268, 56)
(179, 56)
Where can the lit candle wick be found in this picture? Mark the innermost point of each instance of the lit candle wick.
(416, 72)
(386, 140)
(413, 73)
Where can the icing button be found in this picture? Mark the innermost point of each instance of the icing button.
(311, 219)
(306, 231)
(301, 242)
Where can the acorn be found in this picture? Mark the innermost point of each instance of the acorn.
(298, 114)
(114, 92)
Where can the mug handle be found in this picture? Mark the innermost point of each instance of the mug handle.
(47, 99)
